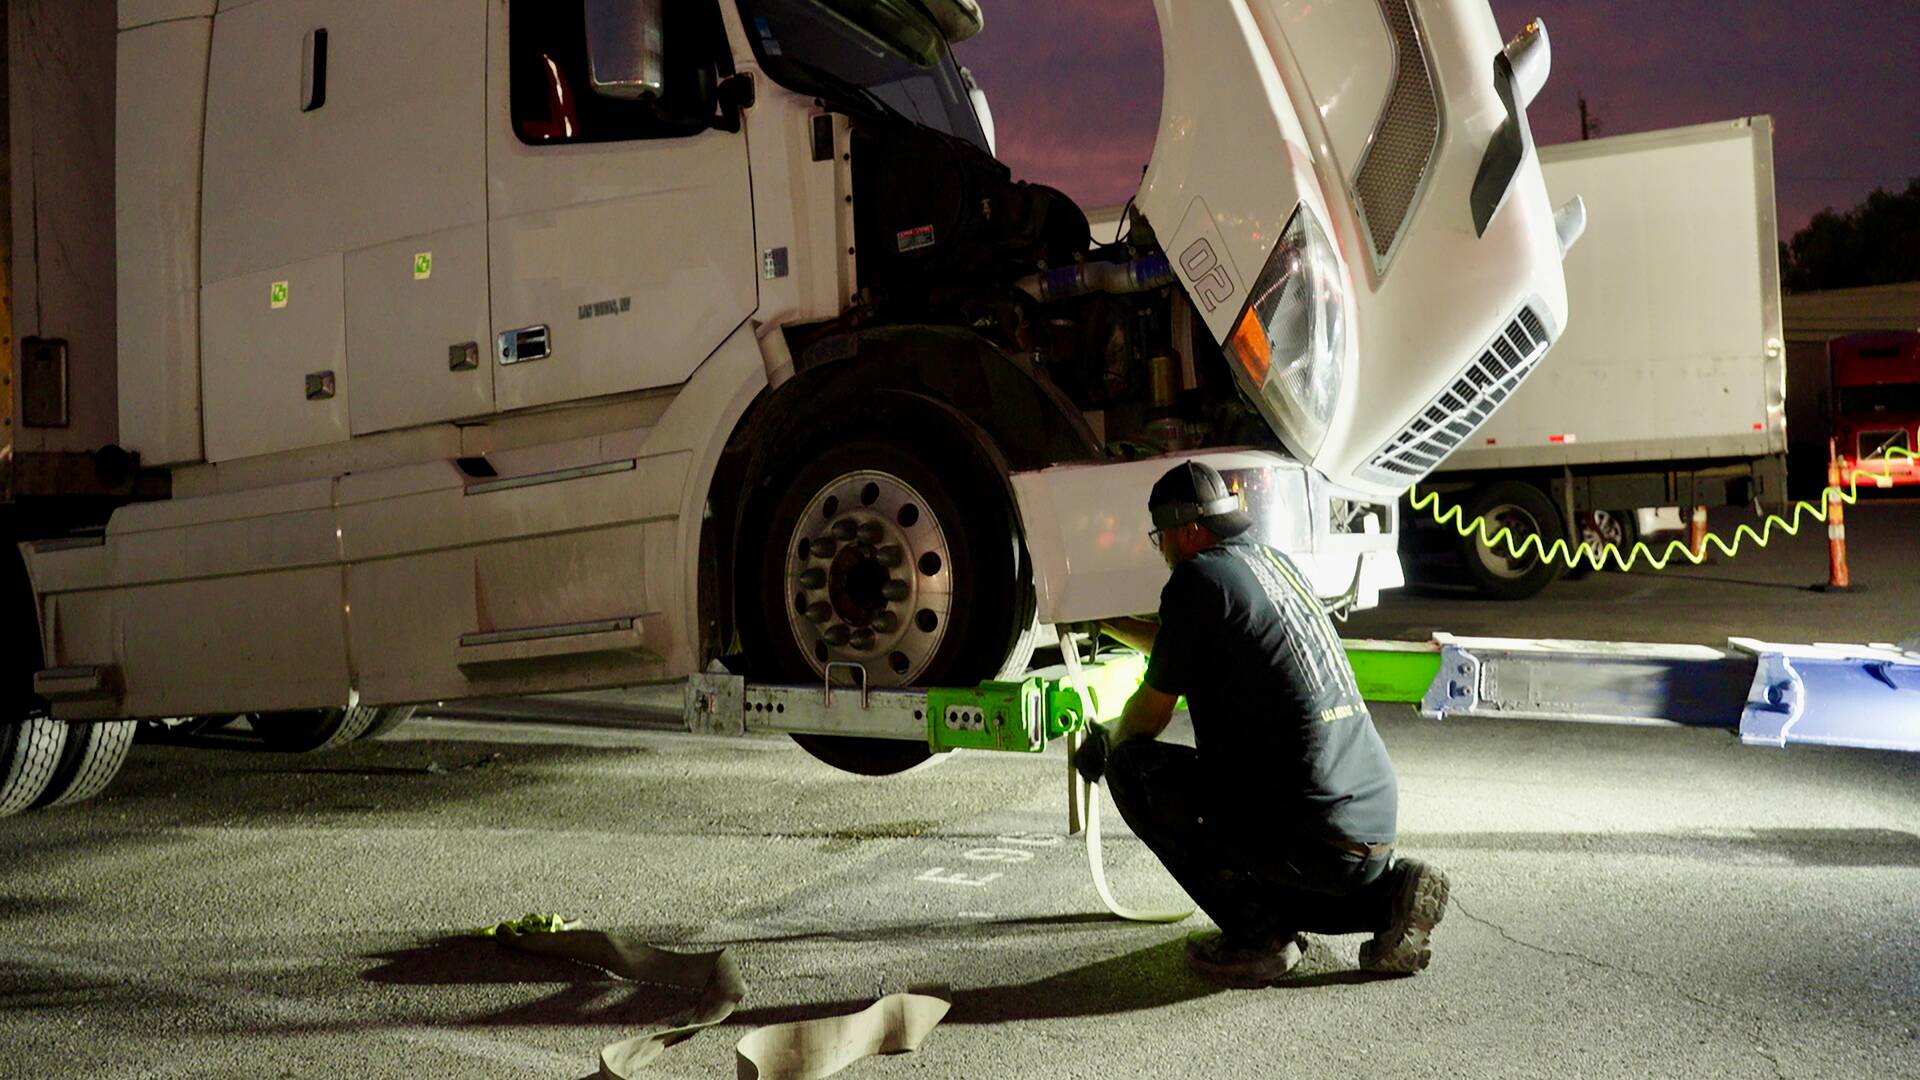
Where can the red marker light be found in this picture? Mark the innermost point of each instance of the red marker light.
(1759, 427)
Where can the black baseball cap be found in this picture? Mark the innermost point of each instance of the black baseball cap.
(1194, 491)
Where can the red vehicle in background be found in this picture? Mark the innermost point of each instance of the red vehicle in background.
(1876, 406)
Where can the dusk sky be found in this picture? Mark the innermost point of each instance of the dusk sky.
(1075, 85)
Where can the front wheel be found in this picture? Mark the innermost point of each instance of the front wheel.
(869, 555)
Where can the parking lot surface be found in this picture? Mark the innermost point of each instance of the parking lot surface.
(1630, 902)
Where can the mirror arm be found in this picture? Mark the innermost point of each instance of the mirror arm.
(734, 96)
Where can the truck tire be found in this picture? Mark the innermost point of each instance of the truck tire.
(91, 758)
(29, 754)
(385, 722)
(866, 553)
(31, 741)
(304, 731)
(1526, 511)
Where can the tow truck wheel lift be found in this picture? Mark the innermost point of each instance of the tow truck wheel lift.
(1863, 696)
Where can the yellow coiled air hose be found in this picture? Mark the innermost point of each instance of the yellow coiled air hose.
(1577, 555)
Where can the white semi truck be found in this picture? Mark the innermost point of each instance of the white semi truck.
(1670, 389)
(379, 354)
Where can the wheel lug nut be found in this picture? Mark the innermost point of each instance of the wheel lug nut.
(819, 611)
(823, 548)
(837, 635)
(871, 532)
(892, 556)
(812, 578)
(895, 590)
(886, 622)
(861, 640)
(844, 529)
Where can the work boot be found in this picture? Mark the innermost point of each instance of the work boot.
(1243, 961)
(1419, 900)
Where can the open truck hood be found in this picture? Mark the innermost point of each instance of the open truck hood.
(1377, 117)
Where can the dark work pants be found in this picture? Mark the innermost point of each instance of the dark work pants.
(1252, 877)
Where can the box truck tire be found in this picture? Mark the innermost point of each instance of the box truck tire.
(1524, 511)
(867, 553)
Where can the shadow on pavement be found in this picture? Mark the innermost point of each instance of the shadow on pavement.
(586, 995)
(1801, 847)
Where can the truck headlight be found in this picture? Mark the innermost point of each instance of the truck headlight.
(1290, 340)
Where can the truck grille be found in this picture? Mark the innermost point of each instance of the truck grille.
(1459, 410)
(1396, 161)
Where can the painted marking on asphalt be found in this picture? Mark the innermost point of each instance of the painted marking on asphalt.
(296, 1011)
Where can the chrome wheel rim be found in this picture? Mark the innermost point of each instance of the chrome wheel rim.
(869, 578)
(1600, 528)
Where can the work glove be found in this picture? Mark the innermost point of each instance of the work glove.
(1091, 759)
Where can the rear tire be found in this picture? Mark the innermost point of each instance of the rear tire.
(92, 757)
(30, 752)
(385, 722)
(307, 730)
(31, 741)
(951, 604)
(1526, 511)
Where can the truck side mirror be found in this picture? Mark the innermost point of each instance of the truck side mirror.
(624, 56)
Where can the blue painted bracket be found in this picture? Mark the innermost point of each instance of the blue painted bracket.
(1832, 695)
(1865, 696)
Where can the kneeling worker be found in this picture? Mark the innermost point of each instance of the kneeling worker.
(1281, 820)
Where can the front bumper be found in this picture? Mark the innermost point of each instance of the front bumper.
(1086, 530)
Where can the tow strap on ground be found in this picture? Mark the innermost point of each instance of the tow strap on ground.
(1082, 794)
(801, 1050)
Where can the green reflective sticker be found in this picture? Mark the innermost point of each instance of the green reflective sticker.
(277, 295)
(422, 265)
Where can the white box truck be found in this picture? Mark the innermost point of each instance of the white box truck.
(378, 354)
(1670, 388)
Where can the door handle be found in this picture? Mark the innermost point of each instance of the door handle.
(526, 343)
(313, 71)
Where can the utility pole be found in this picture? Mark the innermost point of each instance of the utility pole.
(1589, 124)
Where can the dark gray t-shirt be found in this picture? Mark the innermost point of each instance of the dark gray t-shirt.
(1276, 715)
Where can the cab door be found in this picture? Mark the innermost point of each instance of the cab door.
(620, 233)
(343, 248)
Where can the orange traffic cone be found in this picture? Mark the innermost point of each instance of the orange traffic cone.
(1839, 578)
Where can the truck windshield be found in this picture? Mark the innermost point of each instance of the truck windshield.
(869, 55)
(1887, 397)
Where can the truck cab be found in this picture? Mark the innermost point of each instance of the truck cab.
(1876, 407)
(506, 347)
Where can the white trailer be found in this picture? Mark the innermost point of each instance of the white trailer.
(479, 347)
(1670, 388)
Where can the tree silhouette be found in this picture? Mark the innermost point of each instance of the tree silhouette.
(1875, 243)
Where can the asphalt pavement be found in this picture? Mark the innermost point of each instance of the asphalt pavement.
(1628, 903)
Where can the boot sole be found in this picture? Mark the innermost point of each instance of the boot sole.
(1249, 976)
(1412, 953)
